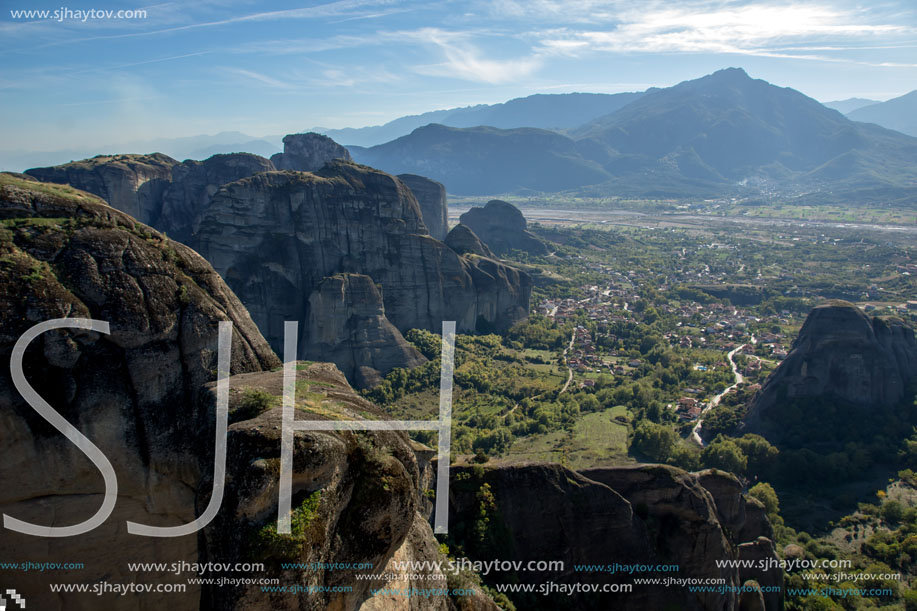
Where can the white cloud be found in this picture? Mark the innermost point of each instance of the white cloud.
(465, 60)
(722, 27)
(260, 78)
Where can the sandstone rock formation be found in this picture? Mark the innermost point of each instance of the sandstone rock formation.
(131, 183)
(503, 228)
(756, 554)
(843, 355)
(144, 395)
(192, 185)
(308, 152)
(431, 196)
(347, 326)
(365, 493)
(650, 514)
(464, 241)
(276, 235)
(134, 392)
(156, 189)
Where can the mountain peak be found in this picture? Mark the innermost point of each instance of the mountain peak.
(731, 73)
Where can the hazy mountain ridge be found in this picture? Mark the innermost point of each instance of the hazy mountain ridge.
(480, 160)
(850, 104)
(721, 132)
(557, 111)
(899, 114)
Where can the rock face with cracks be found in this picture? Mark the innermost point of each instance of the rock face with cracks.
(192, 185)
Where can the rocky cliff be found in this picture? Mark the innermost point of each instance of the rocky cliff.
(131, 183)
(359, 495)
(277, 235)
(431, 196)
(193, 183)
(308, 152)
(649, 515)
(144, 395)
(347, 326)
(356, 221)
(503, 228)
(133, 392)
(845, 356)
(156, 189)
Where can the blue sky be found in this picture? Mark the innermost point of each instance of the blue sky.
(207, 66)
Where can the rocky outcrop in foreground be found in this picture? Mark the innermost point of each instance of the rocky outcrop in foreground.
(308, 152)
(359, 496)
(277, 236)
(134, 392)
(650, 515)
(503, 228)
(431, 196)
(144, 394)
(842, 355)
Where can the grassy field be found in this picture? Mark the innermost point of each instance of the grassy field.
(596, 439)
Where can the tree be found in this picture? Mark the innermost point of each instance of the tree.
(725, 454)
(762, 456)
(654, 440)
(765, 493)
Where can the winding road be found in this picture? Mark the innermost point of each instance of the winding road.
(739, 378)
(569, 369)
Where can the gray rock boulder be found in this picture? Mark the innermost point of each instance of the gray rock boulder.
(503, 228)
(843, 355)
(308, 152)
(464, 241)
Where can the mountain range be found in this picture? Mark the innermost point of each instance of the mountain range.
(898, 113)
(546, 111)
(722, 132)
(850, 104)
